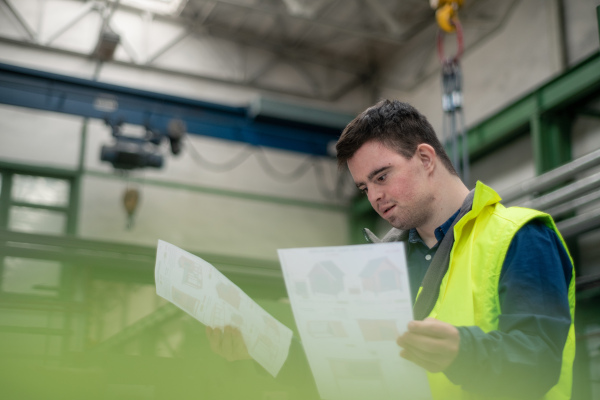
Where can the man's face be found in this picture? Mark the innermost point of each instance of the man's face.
(395, 186)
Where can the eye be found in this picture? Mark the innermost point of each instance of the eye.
(381, 178)
(363, 190)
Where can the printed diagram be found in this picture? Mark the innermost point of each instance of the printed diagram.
(380, 275)
(184, 300)
(161, 274)
(265, 342)
(374, 330)
(229, 294)
(202, 291)
(350, 304)
(218, 315)
(301, 289)
(192, 273)
(326, 278)
(326, 329)
(237, 320)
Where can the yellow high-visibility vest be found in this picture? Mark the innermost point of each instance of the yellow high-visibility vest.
(469, 291)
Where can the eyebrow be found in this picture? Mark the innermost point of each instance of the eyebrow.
(377, 172)
(373, 174)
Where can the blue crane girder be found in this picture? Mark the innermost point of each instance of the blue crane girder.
(42, 90)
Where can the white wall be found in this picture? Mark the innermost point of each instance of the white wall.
(511, 62)
(242, 212)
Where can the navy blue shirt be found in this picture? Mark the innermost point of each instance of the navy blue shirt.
(522, 359)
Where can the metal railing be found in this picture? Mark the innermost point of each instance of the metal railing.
(581, 191)
(563, 193)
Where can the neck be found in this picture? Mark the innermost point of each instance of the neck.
(449, 193)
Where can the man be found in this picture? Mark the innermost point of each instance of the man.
(495, 286)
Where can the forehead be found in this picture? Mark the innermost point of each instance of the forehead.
(372, 151)
(370, 157)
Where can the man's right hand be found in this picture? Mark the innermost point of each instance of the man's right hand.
(228, 343)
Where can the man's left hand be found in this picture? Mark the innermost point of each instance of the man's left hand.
(430, 343)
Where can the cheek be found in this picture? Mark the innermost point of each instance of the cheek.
(403, 188)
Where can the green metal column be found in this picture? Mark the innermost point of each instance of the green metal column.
(74, 194)
(551, 137)
(5, 190)
(551, 142)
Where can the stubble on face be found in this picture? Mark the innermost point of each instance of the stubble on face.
(416, 213)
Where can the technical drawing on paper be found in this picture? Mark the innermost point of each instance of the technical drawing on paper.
(326, 278)
(381, 275)
(350, 304)
(378, 329)
(326, 329)
(229, 294)
(192, 273)
(202, 291)
(185, 301)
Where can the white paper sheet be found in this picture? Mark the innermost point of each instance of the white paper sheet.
(199, 289)
(350, 304)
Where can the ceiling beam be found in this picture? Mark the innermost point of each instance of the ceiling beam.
(58, 93)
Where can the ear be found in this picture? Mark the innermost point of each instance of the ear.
(427, 156)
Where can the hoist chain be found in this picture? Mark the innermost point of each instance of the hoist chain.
(452, 101)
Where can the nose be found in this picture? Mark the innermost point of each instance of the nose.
(374, 195)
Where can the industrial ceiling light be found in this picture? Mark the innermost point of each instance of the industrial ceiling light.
(107, 44)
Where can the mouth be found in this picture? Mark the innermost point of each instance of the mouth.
(386, 210)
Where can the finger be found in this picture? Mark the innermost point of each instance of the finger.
(433, 354)
(426, 354)
(402, 339)
(431, 362)
(209, 335)
(227, 343)
(240, 348)
(431, 327)
(427, 343)
(214, 340)
(429, 365)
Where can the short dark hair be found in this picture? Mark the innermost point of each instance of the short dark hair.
(396, 125)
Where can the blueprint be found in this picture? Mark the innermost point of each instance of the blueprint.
(200, 290)
(350, 304)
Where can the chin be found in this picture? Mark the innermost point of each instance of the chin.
(397, 225)
(402, 225)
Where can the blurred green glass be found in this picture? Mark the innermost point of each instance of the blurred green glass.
(81, 320)
(77, 324)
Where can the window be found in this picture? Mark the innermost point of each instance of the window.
(34, 203)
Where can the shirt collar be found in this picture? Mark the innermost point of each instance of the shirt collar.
(440, 231)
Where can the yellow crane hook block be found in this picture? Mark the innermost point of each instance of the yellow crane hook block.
(446, 13)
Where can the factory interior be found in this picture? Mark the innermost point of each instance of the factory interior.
(211, 125)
